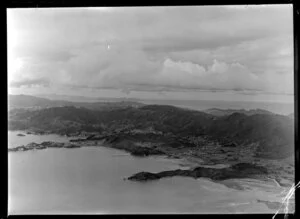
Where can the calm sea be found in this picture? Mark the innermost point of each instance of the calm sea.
(279, 108)
(90, 180)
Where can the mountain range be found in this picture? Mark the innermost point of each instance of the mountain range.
(227, 112)
(272, 134)
(33, 102)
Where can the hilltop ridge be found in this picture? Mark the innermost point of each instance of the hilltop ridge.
(33, 102)
(270, 135)
(226, 112)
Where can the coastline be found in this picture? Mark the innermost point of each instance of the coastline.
(131, 144)
(188, 164)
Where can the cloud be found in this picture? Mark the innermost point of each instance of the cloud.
(153, 48)
(218, 76)
(137, 73)
(48, 53)
(267, 53)
(172, 28)
(30, 82)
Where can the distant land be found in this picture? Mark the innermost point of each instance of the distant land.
(216, 107)
(72, 98)
(27, 101)
(227, 112)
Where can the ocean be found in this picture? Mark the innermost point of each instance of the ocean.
(279, 108)
(90, 180)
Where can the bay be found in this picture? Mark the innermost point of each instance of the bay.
(90, 180)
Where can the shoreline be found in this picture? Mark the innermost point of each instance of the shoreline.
(231, 183)
(125, 143)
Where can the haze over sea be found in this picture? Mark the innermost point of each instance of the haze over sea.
(283, 108)
(275, 107)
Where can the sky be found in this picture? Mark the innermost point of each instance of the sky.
(184, 52)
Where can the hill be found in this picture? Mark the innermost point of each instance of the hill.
(32, 102)
(161, 118)
(227, 112)
(27, 101)
(271, 135)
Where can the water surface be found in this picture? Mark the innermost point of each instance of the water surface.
(14, 140)
(279, 108)
(91, 180)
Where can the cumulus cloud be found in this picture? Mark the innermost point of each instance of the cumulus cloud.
(190, 76)
(153, 49)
